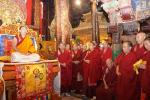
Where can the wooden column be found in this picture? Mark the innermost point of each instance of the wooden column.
(95, 25)
(63, 26)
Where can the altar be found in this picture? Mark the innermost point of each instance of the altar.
(30, 81)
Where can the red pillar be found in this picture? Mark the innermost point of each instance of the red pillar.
(29, 12)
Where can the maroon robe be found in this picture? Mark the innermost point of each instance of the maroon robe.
(106, 54)
(139, 53)
(76, 68)
(93, 67)
(146, 76)
(99, 54)
(90, 71)
(110, 78)
(126, 82)
(85, 66)
(66, 72)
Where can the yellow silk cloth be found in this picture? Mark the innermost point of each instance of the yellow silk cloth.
(137, 65)
(26, 46)
(35, 78)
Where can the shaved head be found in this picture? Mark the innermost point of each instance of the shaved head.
(140, 37)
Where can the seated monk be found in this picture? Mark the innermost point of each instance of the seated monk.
(106, 90)
(23, 48)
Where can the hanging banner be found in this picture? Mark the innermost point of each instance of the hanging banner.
(127, 14)
(130, 27)
(112, 29)
(110, 6)
(135, 4)
(124, 11)
(143, 9)
(104, 1)
(113, 18)
(124, 3)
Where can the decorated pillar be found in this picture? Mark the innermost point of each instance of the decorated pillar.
(95, 26)
(63, 26)
(116, 40)
(58, 21)
(37, 13)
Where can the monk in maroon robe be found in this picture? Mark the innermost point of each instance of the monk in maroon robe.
(77, 76)
(106, 90)
(85, 68)
(139, 50)
(98, 51)
(105, 55)
(127, 78)
(146, 72)
(84, 64)
(65, 61)
(68, 48)
(92, 62)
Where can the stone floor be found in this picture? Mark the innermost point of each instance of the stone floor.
(71, 98)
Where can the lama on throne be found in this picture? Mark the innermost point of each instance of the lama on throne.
(23, 48)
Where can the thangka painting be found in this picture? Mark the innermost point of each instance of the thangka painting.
(34, 81)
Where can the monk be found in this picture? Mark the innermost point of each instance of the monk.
(84, 51)
(80, 47)
(127, 78)
(92, 62)
(68, 48)
(23, 47)
(99, 53)
(76, 69)
(65, 61)
(139, 50)
(85, 67)
(106, 90)
(146, 70)
(106, 53)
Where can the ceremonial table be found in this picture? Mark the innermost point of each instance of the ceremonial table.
(29, 81)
